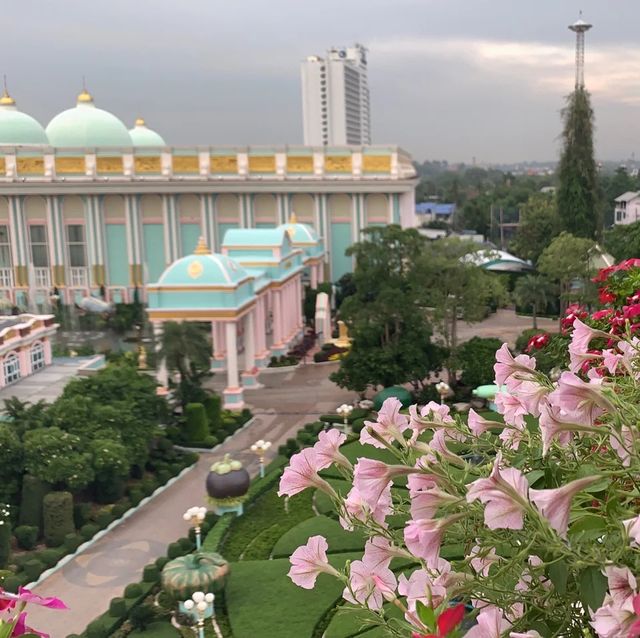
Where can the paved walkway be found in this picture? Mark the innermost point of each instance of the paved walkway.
(92, 579)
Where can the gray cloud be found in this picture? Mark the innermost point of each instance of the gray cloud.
(449, 78)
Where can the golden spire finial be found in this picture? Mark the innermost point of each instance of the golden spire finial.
(6, 99)
(202, 248)
(140, 121)
(84, 97)
(293, 219)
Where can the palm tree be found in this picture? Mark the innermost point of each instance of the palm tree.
(185, 348)
(535, 291)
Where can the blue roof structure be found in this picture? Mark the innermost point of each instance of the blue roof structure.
(431, 208)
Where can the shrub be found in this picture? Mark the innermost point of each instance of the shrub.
(88, 531)
(306, 438)
(58, 517)
(81, 514)
(135, 496)
(11, 583)
(174, 550)
(525, 335)
(109, 489)
(5, 542)
(292, 445)
(26, 535)
(33, 492)
(476, 358)
(149, 486)
(119, 509)
(357, 425)
(97, 629)
(51, 556)
(186, 544)
(213, 408)
(72, 542)
(161, 561)
(151, 573)
(117, 607)
(163, 476)
(133, 590)
(33, 568)
(142, 616)
(196, 427)
(103, 518)
(426, 394)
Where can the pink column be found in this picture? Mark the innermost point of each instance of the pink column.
(219, 345)
(47, 351)
(314, 276)
(259, 326)
(278, 327)
(25, 362)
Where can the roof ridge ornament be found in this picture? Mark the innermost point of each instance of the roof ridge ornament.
(293, 219)
(85, 97)
(202, 248)
(140, 121)
(6, 99)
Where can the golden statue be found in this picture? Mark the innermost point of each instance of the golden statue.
(142, 358)
(343, 340)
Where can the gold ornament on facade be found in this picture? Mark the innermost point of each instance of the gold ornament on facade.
(262, 163)
(147, 164)
(30, 165)
(299, 163)
(3, 166)
(202, 248)
(85, 97)
(376, 163)
(338, 164)
(195, 269)
(186, 164)
(109, 165)
(140, 121)
(224, 164)
(142, 358)
(70, 165)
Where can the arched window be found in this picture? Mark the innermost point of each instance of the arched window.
(11, 365)
(37, 356)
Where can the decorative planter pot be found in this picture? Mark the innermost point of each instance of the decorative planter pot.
(201, 571)
(227, 480)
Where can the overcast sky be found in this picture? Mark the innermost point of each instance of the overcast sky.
(449, 79)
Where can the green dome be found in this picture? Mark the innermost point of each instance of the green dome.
(205, 269)
(141, 135)
(18, 128)
(402, 394)
(86, 126)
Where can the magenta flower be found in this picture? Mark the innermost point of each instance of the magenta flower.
(583, 401)
(359, 509)
(372, 477)
(26, 596)
(479, 425)
(555, 504)
(491, 623)
(21, 627)
(424, 536)
(327, 449)
(369, 584)
(632, 525)
(301, 473)
(506, 365)
(504, 494)
(512, 408)
(310, 560)
(389, 426)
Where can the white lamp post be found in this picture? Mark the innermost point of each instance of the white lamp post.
(345, 411)
(259, 448)
(195, 516)
(200, 606)
(443, 390)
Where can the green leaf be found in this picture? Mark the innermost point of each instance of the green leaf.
(592, 470)
(426, 614)
(588, 526)
(558, 574)
(592, 586)
(534, 476)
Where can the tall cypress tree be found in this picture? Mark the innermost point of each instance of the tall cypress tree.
(577, 193)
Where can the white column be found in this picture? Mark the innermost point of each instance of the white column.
(162, 376)
(314, 276)
(249, 343)
(232, 355)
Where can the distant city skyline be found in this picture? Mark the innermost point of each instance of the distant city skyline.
(454, 80)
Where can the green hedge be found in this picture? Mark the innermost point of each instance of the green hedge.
(58, 517)
(196, 427)
(213, 408)
(33, 492)
(26, 536)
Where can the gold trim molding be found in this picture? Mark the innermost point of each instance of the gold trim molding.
(376, 163)
(147, 164)
(262, 163)
(109, 164)
(186, 164)
(30, 165)
(299, 163)
(223, 164)
(70, 165)
(338, 164)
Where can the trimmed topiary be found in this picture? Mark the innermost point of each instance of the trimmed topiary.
(51, 556)
(72, 542)
(58, 517)
(186, 543)
(161, 561)
(213, 408)
(26, 536)
(103, 518)
(88, 531)
(117, 607)
(33, 492)
(174, 550)
(151, 574)
(133, 590)
(12, 583)
(33, 568)
(135, 496)
(196, 427)
(5, 540)
(81, 514)
(96, 629)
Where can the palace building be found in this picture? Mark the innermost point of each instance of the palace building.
(88, 207)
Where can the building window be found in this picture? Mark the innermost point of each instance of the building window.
(5, 247)
(76, 244)
(37, 356)
(11, 366)
(39, 248)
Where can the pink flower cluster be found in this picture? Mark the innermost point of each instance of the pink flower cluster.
(13, 618)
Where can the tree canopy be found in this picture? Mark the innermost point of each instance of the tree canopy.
(539, 224)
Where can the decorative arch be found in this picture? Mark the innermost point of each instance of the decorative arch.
(11, 368)
(37, 356)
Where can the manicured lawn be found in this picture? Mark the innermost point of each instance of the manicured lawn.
(156, 630)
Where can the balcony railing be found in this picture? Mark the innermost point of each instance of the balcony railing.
(42, 277)
(79, 277)
(6, 278)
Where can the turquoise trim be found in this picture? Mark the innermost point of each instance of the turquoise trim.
(222, 231)
(340, 241)
(396, 208)
(189, 236)
(153, 235)
(117, 267)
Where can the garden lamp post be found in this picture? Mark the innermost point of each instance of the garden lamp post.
(195, 516)
(200, 606)
(345, 411)
(259, 448)
(443, 390)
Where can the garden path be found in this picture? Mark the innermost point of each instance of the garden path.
(89, 581)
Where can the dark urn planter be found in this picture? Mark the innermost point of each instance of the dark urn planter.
(227, 479)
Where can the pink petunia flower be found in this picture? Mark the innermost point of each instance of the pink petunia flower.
(328, 449)
(432, 415)
(310, 560)
(359, 509)
(614, 621)
(553, 426)
(481, 560)
(424, 536)
(532, 395)
(555, 504)
(583, 401)
(368, 584)
(372, 477)
(632, 525)
(491, 623)
(302, 472)
(479, 425)
(429, 586)
(578, 358)
(504, 494)
(611, 360)
(389, 426)
(623, 448)
(621, 583)
(507, 365)
(512, 408)
(583, 335)
(378, 551)
(511, 437)
(426, 502)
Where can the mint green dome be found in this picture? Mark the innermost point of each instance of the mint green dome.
(203, 270)
(18, 128)
(86, 126)
(142, 135)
